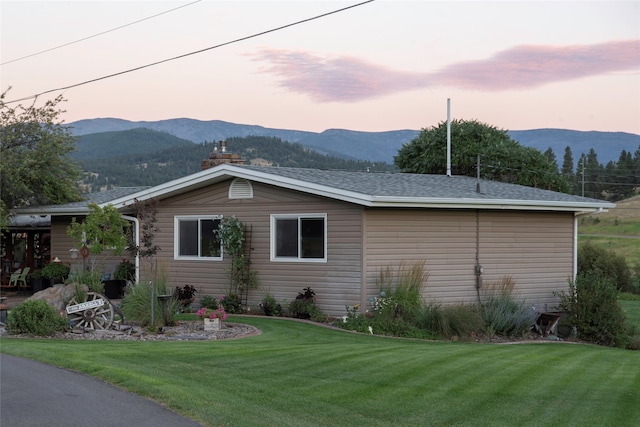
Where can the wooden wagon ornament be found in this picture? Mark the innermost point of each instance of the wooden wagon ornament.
(95, 313)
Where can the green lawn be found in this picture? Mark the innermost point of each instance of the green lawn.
(296, 374)
(632, 310)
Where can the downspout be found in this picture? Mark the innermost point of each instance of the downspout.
(575, 247)
(448, 136)
(137, 231)
(479, 268)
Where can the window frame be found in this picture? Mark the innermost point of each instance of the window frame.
(176, 240)
(273, 238)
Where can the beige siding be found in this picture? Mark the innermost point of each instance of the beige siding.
(536, 249)
(445, 240)
(336, 282)
(61, 243)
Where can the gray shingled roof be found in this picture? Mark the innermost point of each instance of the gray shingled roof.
(405, 185)
(366, 188)
(98, 198)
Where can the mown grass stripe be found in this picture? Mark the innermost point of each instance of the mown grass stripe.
(298, 374)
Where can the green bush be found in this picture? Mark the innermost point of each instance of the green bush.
(304, 306)
(501, 312)
(136, 305)
(464, 319)
(461, 320)
(55, 270)
(126, 270)
(605, 264)
(35, 317)
(91, 278)
(232, 304)
(270, 306)
(594, 311)
(209, 302)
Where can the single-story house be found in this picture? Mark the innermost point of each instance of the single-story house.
(334, 231)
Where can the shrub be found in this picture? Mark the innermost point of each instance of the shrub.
(605, 264)
(126, 270)
(136, 305)
(353, 320)
(502, 314)
(55, 270)
(35, 317)
(462, 320)
(304, 306)
(232, 304)
(210, 302)
(92, 279)
(594, 311)
(269, 306)
(185, 296)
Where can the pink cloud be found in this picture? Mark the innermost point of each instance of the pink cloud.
(341, 79)
(346, 79)
(530, 66)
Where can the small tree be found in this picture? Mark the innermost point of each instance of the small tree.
(102, 229)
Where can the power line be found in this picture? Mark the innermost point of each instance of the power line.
(192, 53)
(99, 34)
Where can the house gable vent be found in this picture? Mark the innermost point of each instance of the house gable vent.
(240, 188)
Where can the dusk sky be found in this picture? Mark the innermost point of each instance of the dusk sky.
(383, 65)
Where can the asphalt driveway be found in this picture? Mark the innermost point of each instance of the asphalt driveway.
(35, 394)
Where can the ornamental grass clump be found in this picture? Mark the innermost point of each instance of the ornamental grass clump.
(402, 290)
(502, 313)
(142, 305)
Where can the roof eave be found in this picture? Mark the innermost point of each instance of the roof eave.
(493, 204)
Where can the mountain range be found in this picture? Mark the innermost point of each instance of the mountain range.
(371, 146)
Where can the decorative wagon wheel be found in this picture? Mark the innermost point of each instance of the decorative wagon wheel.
(94, 313)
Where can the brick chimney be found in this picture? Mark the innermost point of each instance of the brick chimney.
(219, 156)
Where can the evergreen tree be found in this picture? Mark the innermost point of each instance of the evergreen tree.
(567, 169)
(594, 172)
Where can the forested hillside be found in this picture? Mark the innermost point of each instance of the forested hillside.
(124, 143)
(156, 167)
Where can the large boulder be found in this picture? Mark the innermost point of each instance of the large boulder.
(57, 296)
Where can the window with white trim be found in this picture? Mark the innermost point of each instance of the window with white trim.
(299, 237)
(195, 237)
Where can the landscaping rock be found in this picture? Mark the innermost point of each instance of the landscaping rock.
(57, 296)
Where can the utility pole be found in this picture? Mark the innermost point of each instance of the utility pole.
(583, 159)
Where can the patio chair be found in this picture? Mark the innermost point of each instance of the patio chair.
(19, 280)
(13, 281)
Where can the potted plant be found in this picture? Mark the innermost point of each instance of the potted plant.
(38, 282)
(125, 272)
(56, 272)
(212, 318)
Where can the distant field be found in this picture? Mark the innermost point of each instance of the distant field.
(618, 229)
(632, 310)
